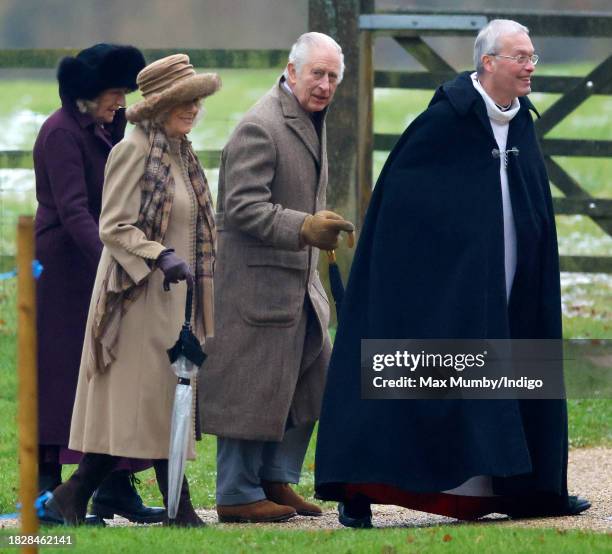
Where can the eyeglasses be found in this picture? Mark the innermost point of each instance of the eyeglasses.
(521, 60)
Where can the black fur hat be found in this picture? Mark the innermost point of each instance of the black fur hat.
(98, 68)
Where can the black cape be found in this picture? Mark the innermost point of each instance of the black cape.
(430, 264)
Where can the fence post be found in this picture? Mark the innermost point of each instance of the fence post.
(340, 19)
(26, 363)
(365, 118)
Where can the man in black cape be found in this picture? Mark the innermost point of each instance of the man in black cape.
(459, 242)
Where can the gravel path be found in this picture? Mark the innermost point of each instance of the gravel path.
(590, 475)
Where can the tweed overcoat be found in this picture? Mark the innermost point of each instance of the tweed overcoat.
(70, 153)
(261, 372)
(126, 411)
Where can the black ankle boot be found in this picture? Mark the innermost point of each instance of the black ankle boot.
(49, 476)
(355, 513)
(117, 495)
(186, 515)
(70, 499)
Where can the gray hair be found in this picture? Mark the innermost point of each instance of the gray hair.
(487, 41)
(300, 50)
(87, 106)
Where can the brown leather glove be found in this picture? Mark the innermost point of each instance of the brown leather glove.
(322, 229)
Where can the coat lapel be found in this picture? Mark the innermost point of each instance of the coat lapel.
(299, 122)
(106, 139)
(322, 184)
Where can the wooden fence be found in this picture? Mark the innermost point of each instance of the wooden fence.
(408, 30)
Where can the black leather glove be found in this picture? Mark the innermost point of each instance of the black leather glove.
(175, 269)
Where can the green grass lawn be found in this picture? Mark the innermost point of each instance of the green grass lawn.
(589, 425)
(589, 315)
(481, 539)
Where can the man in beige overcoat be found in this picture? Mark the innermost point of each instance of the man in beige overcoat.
(262, 384)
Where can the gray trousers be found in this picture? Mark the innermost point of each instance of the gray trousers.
(243, 464)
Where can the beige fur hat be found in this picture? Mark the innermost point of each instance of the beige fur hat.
(167, 82)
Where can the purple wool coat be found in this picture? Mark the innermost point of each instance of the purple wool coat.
(69, 158)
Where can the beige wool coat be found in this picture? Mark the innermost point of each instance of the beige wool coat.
(126, 411)
(266, 364)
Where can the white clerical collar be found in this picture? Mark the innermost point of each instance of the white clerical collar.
(493, 110)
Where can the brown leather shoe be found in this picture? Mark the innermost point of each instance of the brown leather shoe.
(262, 511)
(282, 493)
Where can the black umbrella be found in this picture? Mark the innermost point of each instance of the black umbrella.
(335, 278)
(335, 281)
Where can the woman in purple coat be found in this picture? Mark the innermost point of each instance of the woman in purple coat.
(69, 158)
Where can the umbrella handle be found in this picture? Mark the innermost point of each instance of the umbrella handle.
(331, 254)
(188, 303)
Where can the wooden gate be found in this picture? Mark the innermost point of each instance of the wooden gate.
(409, 29)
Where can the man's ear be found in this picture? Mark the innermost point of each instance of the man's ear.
(487, 62)
(291, 71)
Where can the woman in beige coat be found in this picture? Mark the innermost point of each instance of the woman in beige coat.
(157, 226)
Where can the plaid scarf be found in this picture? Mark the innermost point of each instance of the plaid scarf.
(117, 291)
